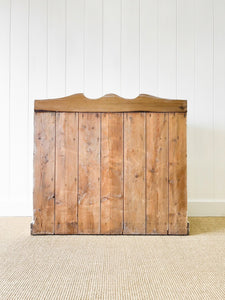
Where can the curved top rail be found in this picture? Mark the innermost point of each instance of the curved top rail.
(110, 103)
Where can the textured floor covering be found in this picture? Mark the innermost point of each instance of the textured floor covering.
(112, 267)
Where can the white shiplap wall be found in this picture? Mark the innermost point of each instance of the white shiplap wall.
(167, 48)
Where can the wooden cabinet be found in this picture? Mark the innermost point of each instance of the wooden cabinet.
(110, 166)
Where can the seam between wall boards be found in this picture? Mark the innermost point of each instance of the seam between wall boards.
(28, 98)
(65, 67)
(10, 105)
(84, 36)
(139, 42)
(102, 44)
(213, 98)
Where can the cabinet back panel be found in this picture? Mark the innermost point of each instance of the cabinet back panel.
(110, 173)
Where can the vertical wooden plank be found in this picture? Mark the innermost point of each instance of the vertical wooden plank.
(74, 46)
(149, 47)
(66, 173)
(5, 205)
(112, 173)
(93, 49)
(89, 173)
(177, 174)
(157, 173)
(167, 50)
(19, 107)
(130, 55)
(134, 173)
(44, 169)
(111, 46)
(56, 48)
(219, 104)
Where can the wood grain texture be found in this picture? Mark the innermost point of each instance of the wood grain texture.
(112, 173)
(89, 174)
(157, 173)
(134, 173)
(177, 174)
(111, 103)
(66, 173)
(44, 168)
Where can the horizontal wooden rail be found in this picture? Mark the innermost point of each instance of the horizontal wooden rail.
(111, 103)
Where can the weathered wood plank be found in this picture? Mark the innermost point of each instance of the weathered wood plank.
(157, 173)
(111, 103)
(177, 174)
(66, 173)
(112, 173)
(89, 173)
(134, 173)
(44, 168)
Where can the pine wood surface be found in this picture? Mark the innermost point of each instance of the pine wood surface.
(157, 173)
(89, 174)
(134, 173)
(66, 166)
(177, 174)
(44, 173)
(111, 103)
(110, 173)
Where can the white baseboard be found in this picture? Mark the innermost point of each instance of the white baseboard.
(206, 208)
(19, 211)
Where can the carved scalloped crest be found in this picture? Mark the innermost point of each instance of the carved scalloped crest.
(110, 103)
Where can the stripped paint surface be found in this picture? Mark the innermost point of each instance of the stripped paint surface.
(134, 173)
(157, 173)
(89, 173)
(44, 177)
(66, 173)
(110, 173)
(177, 174)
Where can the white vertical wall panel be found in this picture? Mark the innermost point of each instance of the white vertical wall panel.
(38, 50)
(74, 46)
(203, 134)
(56, 48)
(167, 48)
(38, 63)
(149, 57)
(186, 53)
(19, 105)
(130, 52)
(219, 99)
(93, 49)
(186, 78)
(4, 100)
(111, 46)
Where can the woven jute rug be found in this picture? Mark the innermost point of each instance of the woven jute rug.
(112, 267)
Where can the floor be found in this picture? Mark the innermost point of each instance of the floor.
(112, 267)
